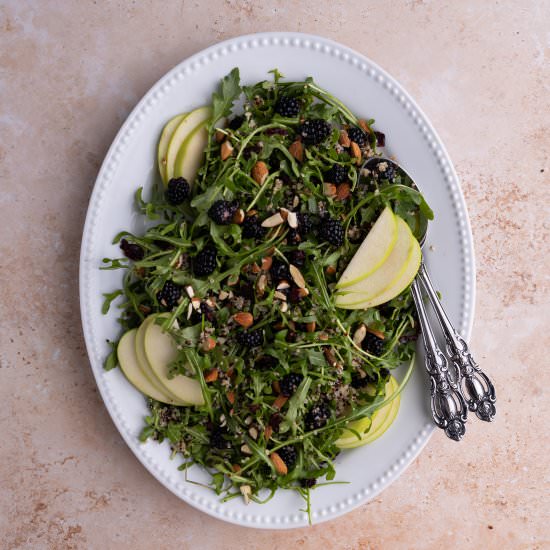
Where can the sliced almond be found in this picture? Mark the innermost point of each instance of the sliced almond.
(292, 220)
(355, 151)
(343, 191)
(344, 139)
(266, 263)
(244, 319)
(226, 150)
(376, 333)
(280, 295)
(190, 291)
(297, 151)
(284, 307)
(246, 450)
(211, 375)
(262, 283)
(238, 217)
(359, 334)
(253, 432)
(310, 327)
(278, 463)
(273, 221)
(297, 276)
(260, 172)
(283, 285)
(329, 189)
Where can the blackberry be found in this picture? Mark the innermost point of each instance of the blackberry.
(205, 261)
(252, 228)
(308, 482)
(384, 373)
(279, 270)
(358, 135)
(305, 223)
(266, 362)
(236, 123)
(314, 131)
(373, 344)
(380, 138)
(289, 383)
(221, 212)
(169, 295)
(217, 439)
(289, 455)
(358, 381)
(317, 417)
(337, 174)
(250, 338)
(131, 250)
(288, 106)
(297, 258)
(332, 231)
(177, 191)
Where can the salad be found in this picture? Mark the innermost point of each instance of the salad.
(250, 312)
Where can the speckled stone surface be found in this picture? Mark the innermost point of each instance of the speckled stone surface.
(71, 71)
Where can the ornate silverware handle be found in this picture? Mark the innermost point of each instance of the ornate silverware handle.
(449, 409)
(475, 385)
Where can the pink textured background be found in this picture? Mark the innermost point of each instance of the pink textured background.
(71, 71)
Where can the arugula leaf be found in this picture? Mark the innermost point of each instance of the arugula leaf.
(222, 101)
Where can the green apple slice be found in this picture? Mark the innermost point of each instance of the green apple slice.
(385, 276)
(381, 420)
(184, 129)
(160, 351)
(129, 365)
(164, 140)
(144, 364)
(191, 154)
(374, 250)
(400, 285)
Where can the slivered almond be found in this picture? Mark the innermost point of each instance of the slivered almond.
(329, 189)
(310, 327)
(297, 151)
(262, 283)
(231, 397)
(280, 401)
(359, 334)
(238, 217)
(190, 291)
(279, 295)
(266, 263)
(273, 221)
(344, 139)
(226, 150)
(283, 285)
(259, 172)
(278, 463)
(268, 432)
(211, 375)
(355, 151)
(376, 333)
(297, 276)
(244, 319)
(292, 220)
(343, 191)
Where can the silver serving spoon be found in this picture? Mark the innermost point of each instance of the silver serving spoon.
(464, 386)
